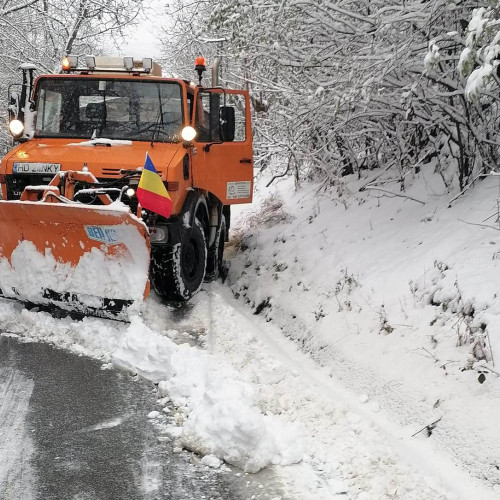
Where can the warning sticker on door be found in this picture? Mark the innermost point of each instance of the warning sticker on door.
(236, 190)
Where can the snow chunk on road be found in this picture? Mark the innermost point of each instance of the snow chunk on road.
(240, 434)
(211, 461)
(222, 418)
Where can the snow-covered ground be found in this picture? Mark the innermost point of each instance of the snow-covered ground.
(351, 350)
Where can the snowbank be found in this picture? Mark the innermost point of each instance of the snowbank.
(221, 418)
(396, 299)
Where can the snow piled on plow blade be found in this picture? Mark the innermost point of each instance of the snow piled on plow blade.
(75, 257)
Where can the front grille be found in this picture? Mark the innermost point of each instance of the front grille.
(17, 183)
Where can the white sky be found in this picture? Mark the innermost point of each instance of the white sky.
(143, 40)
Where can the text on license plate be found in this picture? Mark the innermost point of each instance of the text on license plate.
(36, 168)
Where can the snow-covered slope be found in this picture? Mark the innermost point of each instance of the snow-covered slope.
(396, 299)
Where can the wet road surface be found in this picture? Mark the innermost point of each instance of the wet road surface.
(72, 431)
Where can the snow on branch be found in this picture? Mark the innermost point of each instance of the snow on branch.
(16, 8)
(383, 85)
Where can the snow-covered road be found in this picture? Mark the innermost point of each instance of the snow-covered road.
(397, 305)
(350, 447)
(232, 388)
(349, 355)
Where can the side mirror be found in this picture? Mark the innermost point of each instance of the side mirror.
(20, 106)
(227, 123)
(14, 105)
(16, 115)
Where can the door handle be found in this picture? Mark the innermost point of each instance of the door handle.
(246, 160)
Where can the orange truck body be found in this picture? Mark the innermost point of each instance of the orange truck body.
(203, 176)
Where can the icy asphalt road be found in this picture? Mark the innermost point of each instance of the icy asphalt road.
(70, 430)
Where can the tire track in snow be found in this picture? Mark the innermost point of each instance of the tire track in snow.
(17, 479)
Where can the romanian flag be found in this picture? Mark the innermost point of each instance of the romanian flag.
(151, 192)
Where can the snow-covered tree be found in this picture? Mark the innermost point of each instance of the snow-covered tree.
(340, 86)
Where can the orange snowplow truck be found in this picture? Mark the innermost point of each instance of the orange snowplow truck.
(72, 231)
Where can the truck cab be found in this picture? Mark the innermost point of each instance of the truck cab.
(104, 118)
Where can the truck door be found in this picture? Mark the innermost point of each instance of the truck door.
(222, 159)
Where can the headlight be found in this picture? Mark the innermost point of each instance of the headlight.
(188, 133)
(130, 192)
(16, 128)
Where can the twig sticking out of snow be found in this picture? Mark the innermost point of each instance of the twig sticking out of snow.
(491, 349)
(466, 188)
(400, 195)
(429, 428)
(389, 166)
(480, 225)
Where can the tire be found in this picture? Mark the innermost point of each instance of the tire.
(215, 263)
(177, 272)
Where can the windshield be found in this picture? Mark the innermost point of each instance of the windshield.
(115, 109)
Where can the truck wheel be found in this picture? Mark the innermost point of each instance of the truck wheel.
(215, 262)
(177, 272)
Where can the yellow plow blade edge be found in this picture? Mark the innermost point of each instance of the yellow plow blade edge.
(91, 259)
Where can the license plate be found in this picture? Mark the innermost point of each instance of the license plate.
(36, 168)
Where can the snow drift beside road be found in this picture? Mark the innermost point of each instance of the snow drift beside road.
(221, 416)
(398, 300)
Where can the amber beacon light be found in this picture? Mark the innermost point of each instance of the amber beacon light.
(66, 65)
(200, 65)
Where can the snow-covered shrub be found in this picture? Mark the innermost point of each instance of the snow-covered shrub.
(271, 213)
(433, 56)
(463, 316)
(345, 90)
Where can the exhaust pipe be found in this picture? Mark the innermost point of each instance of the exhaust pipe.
(215, 72)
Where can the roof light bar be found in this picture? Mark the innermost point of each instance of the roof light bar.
(128, 63)
(107, 64)
(147, 64)
(69, 62)
(90, 62)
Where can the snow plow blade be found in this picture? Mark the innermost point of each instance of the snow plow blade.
(92, 260)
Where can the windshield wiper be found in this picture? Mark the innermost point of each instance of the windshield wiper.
(159, 118)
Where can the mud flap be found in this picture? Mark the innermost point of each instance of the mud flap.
(78, 257)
